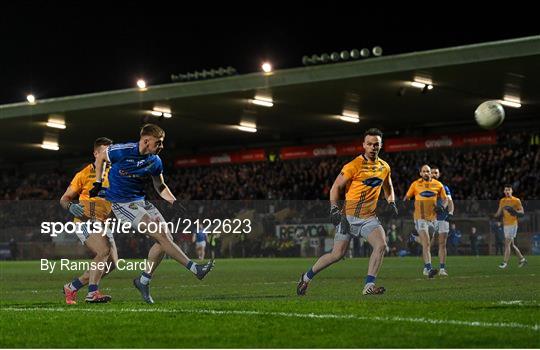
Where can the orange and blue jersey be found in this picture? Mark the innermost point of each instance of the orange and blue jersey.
(513, 202)
(363, 190)
(95, 208)
(425, 194)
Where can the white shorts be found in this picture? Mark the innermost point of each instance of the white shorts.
(200, 244)
(424, 225)
(510, 231)
(83, 233)
(442, 226)
(357, 227)
(133, 212)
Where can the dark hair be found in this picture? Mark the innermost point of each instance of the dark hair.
(102, 141)
(373, 132)
(508, 185)
(434, 167)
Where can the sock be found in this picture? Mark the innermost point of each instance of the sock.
(443, 266)
(308, 276)
(145, 278)
(76, 284)
(92, 288)
(428, 266)
(370, 279)
(191, 266)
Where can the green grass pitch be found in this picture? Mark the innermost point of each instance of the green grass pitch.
(252, 303)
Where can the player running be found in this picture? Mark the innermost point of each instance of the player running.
(445, 212)
(425, 191)
(510, 207)
(359, 183)
(90, 209)
(131, 166)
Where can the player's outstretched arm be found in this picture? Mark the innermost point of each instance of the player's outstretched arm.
(101, 158)
(499, 211)
(337, 193)
(162, 189)
(67, 202)
(389, 194)
(388, 189)
(410, 193)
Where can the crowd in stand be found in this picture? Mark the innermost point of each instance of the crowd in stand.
(471, 173)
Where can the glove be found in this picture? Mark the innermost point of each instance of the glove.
(392, 208)
(439, 209)
(335, 215)
(449, 217)
(76, 209)
(95, 190)
(511, 211)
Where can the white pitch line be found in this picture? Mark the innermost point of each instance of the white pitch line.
(534, 327)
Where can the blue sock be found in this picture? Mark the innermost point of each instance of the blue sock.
(191, 266)
(92, 288)
(370, 279)
(76, 284)
(443, 266)
(428, 266)
(310, 274)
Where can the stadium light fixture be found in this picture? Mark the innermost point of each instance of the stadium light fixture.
(141, 84)
(266, 67)
(262, 101)
(247, 127)
(57, 124)
(161, 111)
(422, 83)
(349, 119)
(53, 146)
(511, 101)
(31, 99)
(350, 116)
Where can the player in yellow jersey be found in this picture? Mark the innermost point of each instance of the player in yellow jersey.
(90, 209)
(359, 183)
(510, 207)
(425, 192)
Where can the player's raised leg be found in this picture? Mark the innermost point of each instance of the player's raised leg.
(341, 244)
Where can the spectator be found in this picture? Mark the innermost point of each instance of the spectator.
(454, 238)
(498, 231)
(474, 238)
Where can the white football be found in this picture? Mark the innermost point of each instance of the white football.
(489, 114)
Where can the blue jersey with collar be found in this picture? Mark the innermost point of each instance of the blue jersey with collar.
(130, 171)
(442, 217)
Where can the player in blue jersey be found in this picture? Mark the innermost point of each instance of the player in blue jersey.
(445, 212)
(132, 165)
(200, 239)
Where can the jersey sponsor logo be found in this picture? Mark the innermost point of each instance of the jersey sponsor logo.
(133, 206)
(427, 194)
(373, 182)
(123, 172)
(140, 162)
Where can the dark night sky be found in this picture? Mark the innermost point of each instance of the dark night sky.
(81, 52)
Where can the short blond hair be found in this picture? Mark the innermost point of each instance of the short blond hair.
(152, 130)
